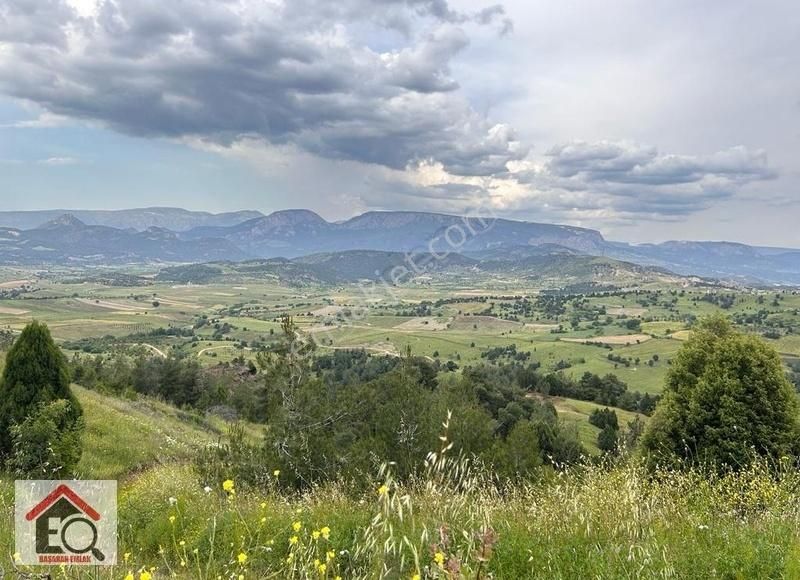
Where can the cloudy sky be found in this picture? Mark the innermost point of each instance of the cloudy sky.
(649, 119)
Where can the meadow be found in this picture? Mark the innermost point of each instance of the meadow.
(454, 522)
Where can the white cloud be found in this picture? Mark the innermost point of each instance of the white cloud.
(59, 161)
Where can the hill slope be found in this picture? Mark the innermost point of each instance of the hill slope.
(123, 437)
(552, 268)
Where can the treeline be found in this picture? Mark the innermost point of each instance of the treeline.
(228, 389)
(607, 390)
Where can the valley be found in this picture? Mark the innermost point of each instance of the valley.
(451, 320)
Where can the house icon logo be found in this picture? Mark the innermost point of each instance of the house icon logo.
(66, 522)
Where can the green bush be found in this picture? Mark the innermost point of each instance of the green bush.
(47, 444)
(726, 402)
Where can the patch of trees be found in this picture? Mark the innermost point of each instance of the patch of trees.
(607, 390)
(633, 324)
(508, 351)
(606, 420)
(551, 305)
(98, 345)
(424, 308)
(724, 301)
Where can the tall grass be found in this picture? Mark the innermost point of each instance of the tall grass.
(456, 522)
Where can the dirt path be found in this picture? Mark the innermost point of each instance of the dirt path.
(156, 350)
(616, 340)
(111, 305)
(219, 347)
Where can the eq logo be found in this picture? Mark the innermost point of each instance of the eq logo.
(66, 522)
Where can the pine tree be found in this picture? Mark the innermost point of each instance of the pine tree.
(36, 372)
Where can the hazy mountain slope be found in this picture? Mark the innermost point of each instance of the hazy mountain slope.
(170, 218)
(67, 240)
(285, 233)
(726, 260)
(296, 233)
(293, 233)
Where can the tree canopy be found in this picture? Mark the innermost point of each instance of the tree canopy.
(726, 401)
(35, 373)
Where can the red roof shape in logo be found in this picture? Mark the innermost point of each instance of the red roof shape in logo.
(62, 490)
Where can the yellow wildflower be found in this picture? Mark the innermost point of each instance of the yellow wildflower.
(326, 532)
(276, 473)
(172, 519)
(227, 485)
(315, 534)
(242, 558)
(129, 576)
(416, 577)
(293, 540)
(383, 490)
(126, 557)
(322, 568)
(297, 526)
(330, 555)
(438, 557)
(145, 575)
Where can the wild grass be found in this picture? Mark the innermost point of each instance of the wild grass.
(455, 521)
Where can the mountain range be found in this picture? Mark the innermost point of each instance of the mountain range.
(169, 218)
(140, 235)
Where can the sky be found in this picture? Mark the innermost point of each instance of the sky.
(648, 120)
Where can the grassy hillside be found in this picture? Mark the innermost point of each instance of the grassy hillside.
(588, 522)
(577, 413)
(125, 437)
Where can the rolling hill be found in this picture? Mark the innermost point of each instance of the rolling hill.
(552, 269)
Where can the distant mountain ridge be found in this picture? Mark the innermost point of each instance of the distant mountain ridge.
(290, 234)
(67, 240)
(171, 218)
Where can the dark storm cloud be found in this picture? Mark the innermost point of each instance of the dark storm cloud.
(300, 73)
(629, 163)
(635, 179)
